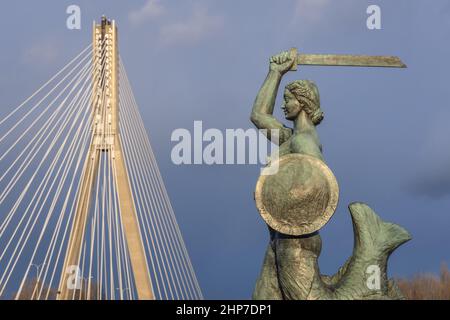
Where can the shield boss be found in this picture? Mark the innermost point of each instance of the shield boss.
(300, 197)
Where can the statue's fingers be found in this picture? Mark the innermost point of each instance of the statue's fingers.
(288, 57)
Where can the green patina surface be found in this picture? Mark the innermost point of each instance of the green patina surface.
(290, 268)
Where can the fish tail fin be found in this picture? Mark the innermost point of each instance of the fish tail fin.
(373, 234)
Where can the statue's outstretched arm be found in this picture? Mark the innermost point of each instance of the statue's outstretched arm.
(262, 113)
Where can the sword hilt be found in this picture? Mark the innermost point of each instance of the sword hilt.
(293, 54)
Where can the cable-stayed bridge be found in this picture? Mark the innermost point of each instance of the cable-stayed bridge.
(84, 213)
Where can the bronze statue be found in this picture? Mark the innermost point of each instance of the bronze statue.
(302, 196)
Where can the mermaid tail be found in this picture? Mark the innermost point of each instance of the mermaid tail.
(291, 269)
(364, 275)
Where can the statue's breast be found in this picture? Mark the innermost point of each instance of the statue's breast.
(305, 143)
(285, 148)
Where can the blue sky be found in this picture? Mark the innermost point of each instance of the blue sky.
(385, 133)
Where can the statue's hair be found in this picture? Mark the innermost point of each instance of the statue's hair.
(306, 92)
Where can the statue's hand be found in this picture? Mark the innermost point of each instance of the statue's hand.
(282, 62)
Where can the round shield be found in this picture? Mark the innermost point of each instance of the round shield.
(297, 194)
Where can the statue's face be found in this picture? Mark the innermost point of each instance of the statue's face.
(291, 106)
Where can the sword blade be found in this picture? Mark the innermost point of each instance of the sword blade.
(349, 60)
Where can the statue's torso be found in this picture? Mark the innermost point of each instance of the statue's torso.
(296, 252)
(304, 142)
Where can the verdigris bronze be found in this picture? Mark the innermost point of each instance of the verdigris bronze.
(298, 198)
(344, 60)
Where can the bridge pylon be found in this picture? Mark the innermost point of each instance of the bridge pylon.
(105, 141)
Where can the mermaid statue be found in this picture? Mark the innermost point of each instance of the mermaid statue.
(298, 199)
